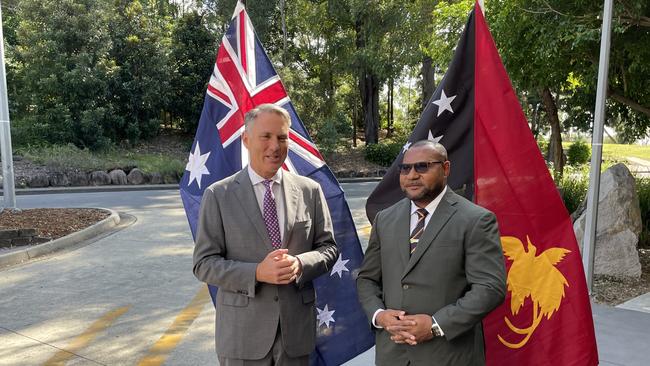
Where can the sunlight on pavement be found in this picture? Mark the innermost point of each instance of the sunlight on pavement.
(77, 344)
(161, 350)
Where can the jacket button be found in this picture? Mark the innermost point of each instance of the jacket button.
(405, 287)
(275, 298)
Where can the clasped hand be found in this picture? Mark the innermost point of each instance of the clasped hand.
(278, 267)
(409, 329)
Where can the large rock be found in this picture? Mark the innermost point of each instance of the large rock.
(78, 179)
(118, 177)
(618, 226)
(59, 179)
(170, 178)
(99, 178)
(39, 180)
(156, 178)
(136, 176)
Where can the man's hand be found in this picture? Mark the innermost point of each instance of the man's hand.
(420, 329)
(278, 268)
(391, 321)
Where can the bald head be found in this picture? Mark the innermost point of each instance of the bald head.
(431, 145)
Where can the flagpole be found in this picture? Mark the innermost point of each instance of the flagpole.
(5, 133)
(597, 147)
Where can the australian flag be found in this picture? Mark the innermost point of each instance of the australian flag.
(243, 78)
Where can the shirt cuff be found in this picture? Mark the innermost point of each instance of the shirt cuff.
(435, 324)
(374, 317)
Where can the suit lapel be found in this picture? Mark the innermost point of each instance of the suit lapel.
(439, 219)
(402, 234)
(246, 197)
(291, 195)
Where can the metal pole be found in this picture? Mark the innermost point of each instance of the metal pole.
(597, 148)
(8, 188)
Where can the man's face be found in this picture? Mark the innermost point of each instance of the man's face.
(423, 187)
(267, 143)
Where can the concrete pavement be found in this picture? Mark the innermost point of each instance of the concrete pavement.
(128, 297)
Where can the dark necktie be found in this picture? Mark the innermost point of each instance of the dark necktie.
(271, 216)
(419, 228)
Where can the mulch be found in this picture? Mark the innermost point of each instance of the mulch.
(52, 222)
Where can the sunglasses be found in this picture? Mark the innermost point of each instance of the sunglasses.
(420, 167)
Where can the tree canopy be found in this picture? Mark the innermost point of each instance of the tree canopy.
(95, 73)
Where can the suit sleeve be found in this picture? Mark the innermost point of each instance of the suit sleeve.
(485, 272)
(321, 259)
(210, 264)
(369, 288)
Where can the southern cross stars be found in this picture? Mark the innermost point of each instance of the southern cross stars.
(444, 103)
(339, 267)
(325, 316)
(196, 165)
(430, 138)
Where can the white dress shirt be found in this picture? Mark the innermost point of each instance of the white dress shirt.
(276, 190)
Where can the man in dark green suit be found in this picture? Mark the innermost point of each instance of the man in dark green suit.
(434, 268)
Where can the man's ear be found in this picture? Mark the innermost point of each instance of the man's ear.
(244, 138)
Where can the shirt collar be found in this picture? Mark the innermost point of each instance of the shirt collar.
(431, 207)
(257, 179)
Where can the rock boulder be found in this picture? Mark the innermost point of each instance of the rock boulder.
(618, 226)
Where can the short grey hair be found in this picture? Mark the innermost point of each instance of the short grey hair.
(251, 115)
(438, 147)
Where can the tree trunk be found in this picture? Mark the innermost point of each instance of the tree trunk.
(428, 80)
(389, 108)
(368, 89)
(555, 146)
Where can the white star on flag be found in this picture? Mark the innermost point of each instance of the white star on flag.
(444, 103)
(434, 139)
(339, 267)
(325, 316)
(196, 165)
(406, 146)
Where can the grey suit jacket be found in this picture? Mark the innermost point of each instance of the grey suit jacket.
(456, 274)
(231, 240)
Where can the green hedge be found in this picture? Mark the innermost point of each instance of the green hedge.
(383, 154)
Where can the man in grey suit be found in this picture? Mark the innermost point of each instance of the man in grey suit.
(433, 269)
(263, 235)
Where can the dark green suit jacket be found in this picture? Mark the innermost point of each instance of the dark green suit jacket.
(457, 274)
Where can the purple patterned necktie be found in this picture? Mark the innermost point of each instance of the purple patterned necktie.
(271, 216)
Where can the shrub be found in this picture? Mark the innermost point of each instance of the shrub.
(327, 137)
(573, 186)
(383, 154)
(643, 191)
(578, 153)
(542, 143)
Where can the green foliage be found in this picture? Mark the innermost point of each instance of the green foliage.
(643, 191)
(578, 153)
(193, 50)
(70, 157)
(384, 153)
(573, 186)
(542, 143)
(555, 44)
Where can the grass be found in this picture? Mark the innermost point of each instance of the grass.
(619, 152)
(70, 157)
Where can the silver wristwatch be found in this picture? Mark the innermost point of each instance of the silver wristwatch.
(435, 329)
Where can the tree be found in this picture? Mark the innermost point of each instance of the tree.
(61, 68)
(193, 48)
(139, 82)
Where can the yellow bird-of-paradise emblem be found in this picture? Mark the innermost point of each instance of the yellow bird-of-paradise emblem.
(533, 276)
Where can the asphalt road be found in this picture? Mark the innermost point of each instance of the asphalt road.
(126, 299)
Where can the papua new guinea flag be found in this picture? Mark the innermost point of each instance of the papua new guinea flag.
(546, 317)
(243, 78)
